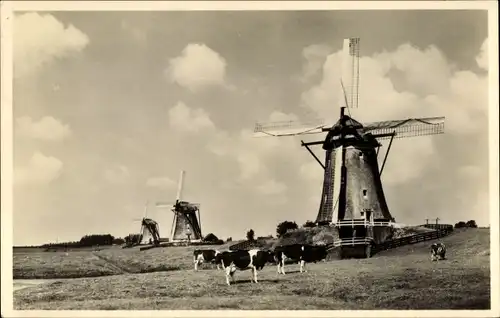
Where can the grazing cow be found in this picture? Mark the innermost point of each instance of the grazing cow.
(298, 252)
(200, 256)
(438, 250)
(254, 259)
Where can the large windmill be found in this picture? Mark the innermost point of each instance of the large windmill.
(353, 197)
(186, 225)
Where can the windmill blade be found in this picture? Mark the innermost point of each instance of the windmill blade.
(411, 127)
(164, 204)
(288, 128)
(349, 80)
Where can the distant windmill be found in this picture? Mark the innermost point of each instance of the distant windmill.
(353, 197)
(186, 224)
(149, 226)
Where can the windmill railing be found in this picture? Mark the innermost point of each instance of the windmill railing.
(354, 222)
(352, 241)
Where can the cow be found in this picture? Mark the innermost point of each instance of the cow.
(254, 259)
(200, 256)
(438, 251)
(298, 252)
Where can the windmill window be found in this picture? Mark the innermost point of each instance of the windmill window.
(360, 155)
(364, 193)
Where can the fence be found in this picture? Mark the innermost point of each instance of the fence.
(448, 227)
(441, 230)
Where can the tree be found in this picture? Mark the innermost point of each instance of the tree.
(251, 235)
(211, 238)
(284, 226)
(229, 239)
(471, 223)
(309, 224)
(460, 224)
(118, 241)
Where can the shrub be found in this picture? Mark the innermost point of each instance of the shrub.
(284, 226)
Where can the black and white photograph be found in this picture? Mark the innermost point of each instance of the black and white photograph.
(250, 158)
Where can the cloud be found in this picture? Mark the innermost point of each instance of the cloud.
(251, 153)
(314, 56)
(182, 118)
(160, 182)
(272, 187)
(117, 175)
(482, 58)
(40, 170)
(197, 67)
(39, 39)
(47, 128)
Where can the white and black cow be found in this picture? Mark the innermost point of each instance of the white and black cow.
(438, 251)
(200, 256)
(300, 253)
(254, 260)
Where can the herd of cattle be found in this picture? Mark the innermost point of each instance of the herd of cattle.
(255, 259)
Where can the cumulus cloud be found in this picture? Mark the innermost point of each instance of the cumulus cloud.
(47, 128)
(39, 39)
(160, 182)
(182, 118)
(117, 175)
(40, 170)
(314, 56)
(251, 153)
(197, 67)
(482, 58)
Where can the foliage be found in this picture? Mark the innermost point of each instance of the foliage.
(251, 235)
(97, 239)
(470, 223)
(284, 226)
(309, 224)
(118, 241)
(229, 239)
(211, 238)
(133, 239)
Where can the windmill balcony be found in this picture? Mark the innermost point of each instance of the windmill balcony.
(352, 241)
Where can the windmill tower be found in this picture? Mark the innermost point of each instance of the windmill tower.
(352, 197)
(186, 225)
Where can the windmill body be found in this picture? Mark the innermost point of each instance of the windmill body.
(353, 197)
(186, 223)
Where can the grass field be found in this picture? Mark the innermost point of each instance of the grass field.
(403, 278)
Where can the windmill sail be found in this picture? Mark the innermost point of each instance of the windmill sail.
(349, 80)
(411, 127)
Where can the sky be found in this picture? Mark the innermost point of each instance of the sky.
(110, 106)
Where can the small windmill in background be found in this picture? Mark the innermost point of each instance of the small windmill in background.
(149, 227)
(353, 197)
(186, 223)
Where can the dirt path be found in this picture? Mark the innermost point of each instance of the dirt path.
(115, 265)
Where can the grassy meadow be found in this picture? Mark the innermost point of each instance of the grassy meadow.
(402, 278)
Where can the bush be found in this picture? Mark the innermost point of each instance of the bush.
(251, 235)
(472, 224)
(284, 226)
(211, 238)
(309, 224)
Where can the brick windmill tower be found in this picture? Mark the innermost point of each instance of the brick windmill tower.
(186, 225)
(353, 198)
